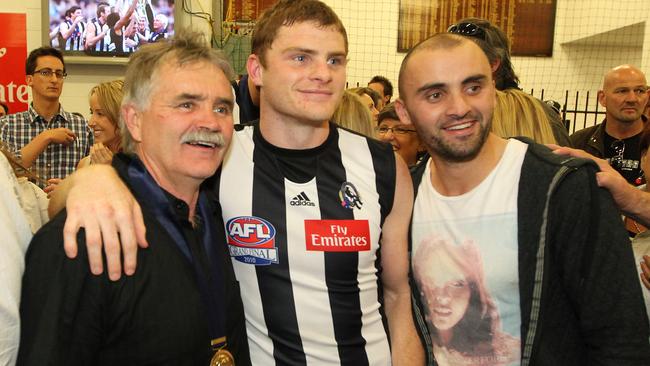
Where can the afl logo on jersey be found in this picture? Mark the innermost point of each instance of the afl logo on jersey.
(251, 240)
(350, 196)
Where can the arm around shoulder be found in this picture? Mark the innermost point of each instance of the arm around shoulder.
(97, 200)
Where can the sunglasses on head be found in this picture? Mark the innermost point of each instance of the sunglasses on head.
(467, 29)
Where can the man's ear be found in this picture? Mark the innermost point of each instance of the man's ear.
(495, 65)
(29, 80)
(601, 98)
(133, 121)
(255, 69)
(402, 113)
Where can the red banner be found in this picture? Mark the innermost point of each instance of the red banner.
(13, 53)
(337, 235)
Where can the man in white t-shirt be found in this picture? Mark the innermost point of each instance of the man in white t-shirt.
(518, 256)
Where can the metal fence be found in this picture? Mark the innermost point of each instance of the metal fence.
(579, 110)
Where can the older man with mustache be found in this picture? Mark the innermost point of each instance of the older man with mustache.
(183, 306)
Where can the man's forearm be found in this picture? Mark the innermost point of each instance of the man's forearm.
(637, 205)
(59, 195)
(406, 348)
(32, 150)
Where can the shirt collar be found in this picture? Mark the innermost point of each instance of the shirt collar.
(35, 117)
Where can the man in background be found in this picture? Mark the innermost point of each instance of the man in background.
(383, 86)
(72, 30)
(624, 96)
(97, 30)
(46, 137)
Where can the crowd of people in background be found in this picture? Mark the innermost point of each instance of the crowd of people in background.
(279, 218)
(115, 26)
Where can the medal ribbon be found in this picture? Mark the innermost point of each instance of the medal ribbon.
(151, 196)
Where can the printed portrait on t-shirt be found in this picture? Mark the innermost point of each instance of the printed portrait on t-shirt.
(467, 292)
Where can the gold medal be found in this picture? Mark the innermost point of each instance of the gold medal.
(222, 358)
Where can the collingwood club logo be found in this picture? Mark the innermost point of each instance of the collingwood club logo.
(349, 196)
(301, 200)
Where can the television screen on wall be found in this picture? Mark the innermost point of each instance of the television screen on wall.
(107, 28)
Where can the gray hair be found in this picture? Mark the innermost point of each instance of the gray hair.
(186, 47)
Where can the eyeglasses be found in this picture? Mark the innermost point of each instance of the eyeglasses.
(395, 130)
(467, 29)
(618, 146)
(47, 73)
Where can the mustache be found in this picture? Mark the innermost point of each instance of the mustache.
(203, 135)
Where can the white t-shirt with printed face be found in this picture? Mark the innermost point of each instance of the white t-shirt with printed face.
(465, 261)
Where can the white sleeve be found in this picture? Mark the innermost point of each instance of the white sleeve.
(15, 234)
(235, 109)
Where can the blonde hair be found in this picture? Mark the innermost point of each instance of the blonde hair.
(353, 114)
(109, 96)
(519, 114)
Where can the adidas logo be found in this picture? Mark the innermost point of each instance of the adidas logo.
(301, 200)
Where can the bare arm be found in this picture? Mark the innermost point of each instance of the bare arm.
(98, 201)
(645, 271)
(405, 343)
(34, 148)
(631, 201)
(91, 39)
(66, 31)
(124, 20)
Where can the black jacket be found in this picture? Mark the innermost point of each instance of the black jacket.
(154, 317)
(580, 299)
(591, 140)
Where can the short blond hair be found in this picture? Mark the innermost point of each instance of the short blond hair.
(353, 114)
(184, 48)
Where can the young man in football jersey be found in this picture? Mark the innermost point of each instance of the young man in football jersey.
(518, 256)
(316, 217)
(97, 29)
(72, 30)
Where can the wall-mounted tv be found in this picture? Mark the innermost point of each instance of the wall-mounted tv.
(97, 31)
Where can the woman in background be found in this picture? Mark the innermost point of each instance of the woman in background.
(353, 114)
(403, 138)
(520, 114)
(105, 100)
(370, 98)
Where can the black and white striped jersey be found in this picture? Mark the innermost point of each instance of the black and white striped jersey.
(76, 40)
(102, 44)
(306, 254)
